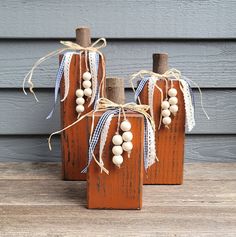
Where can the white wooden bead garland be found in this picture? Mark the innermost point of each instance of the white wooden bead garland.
(122, 139)
(117, 150)
(117, 160)
(92, 53)
(173, 100)
(169, 106)
(80, 93)
(122, 143)
(172, 105)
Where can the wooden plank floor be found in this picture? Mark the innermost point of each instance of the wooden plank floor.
(35, 202)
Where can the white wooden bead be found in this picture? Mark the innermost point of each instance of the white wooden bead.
(173, 100)
(127, 146)
(87, 84)
(87, 76)
(87, 92)
(117, 140)
(117, 160)
(172, 92)
(125, 126)
(165, 112)
(117, 150)
(79, 108)
(127, 136)
(165, 104)
(174, 109)
(80, 101)
(166, 120)
(79, 93)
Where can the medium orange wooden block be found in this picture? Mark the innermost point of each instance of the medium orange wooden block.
(74, 144)
(122, 188)
(169, 142)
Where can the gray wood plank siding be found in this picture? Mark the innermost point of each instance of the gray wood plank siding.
(119, 19)
(209, 63)
(23, 115)
(200, 37)
(199, 148)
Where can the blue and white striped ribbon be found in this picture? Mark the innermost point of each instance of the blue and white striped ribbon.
(96, 99)
(140, 87)
(97, 132)
(57, 86)
(59, 77)
(96, 135)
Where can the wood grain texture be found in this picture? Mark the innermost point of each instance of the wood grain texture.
(122, 188)
(33, 202)
(198, 148)
(52, 171)
(22, 115)
(74, 143)
(158, 220)
(169, 140)
(30, 170)
(115, 90)
(209, 63)
(73, 193)
(149, 19)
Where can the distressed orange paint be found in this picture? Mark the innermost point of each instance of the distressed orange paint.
(74, 144)
(169, 142)
(122, 188)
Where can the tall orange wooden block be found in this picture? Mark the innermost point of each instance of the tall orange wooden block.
(74, 144)
(122, 188)
(169, 142)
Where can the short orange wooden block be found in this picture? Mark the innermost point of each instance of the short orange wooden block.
(122, 188)
(169, 142)
(74, 144)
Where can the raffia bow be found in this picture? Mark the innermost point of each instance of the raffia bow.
(95, 47)
(171, 74)
(98, 44)
(104, 104)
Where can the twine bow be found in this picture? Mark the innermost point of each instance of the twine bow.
(170, 74)
(95, 47)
